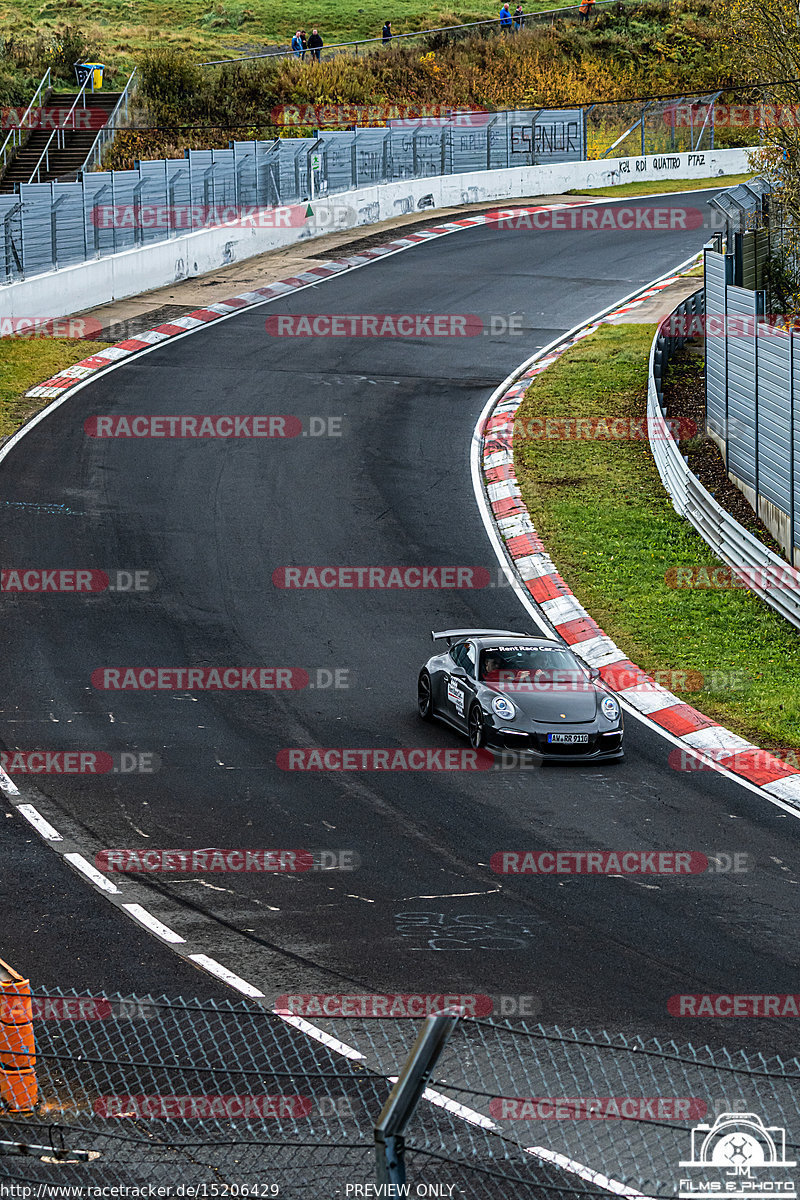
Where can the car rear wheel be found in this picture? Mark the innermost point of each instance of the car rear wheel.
(476, 727)
(425, 697)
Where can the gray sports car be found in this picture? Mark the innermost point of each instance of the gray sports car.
(509, 691)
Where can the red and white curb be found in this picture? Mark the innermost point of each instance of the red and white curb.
(55, 387)
(538, 579)
(512, 518)
(57, 390)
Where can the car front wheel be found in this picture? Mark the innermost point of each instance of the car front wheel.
(476, 732)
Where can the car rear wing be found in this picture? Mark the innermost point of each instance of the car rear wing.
(453, 635)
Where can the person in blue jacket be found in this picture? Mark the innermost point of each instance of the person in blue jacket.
(297, 45)
(505, 18)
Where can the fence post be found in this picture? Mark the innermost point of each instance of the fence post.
(8, 243)
(54, 204)
(792, 505)
(390, 1166)
(138, 228)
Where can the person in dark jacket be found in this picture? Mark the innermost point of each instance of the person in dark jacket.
(303, 43)
(387, 32)
(519, 15)
(315, 44)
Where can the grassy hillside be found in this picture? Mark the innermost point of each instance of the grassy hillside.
(626, 51)
(121, 30)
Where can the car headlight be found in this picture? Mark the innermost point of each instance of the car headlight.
(610, 708)
(504, 708)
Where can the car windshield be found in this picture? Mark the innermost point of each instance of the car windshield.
(530, 666)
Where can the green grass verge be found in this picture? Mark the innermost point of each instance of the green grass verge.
(603, 514)
(655, 187)
(25, 362)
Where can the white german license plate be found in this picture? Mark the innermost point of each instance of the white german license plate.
(568, 739)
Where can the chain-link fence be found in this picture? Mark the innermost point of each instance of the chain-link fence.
(138, 1091)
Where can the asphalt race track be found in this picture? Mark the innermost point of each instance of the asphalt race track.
(214, 519)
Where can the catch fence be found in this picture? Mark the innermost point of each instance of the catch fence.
(46, 226)
(160, 1092)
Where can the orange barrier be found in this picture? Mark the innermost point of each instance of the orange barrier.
(18, 1088)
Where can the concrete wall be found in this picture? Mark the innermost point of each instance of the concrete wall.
(98, 281)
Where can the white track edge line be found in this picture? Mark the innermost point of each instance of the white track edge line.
(230, 977)
(570, 1164)
(140, 914)
(487, 516)
(35, 818)
(135, 911)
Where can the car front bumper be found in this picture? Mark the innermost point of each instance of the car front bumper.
(602, 744)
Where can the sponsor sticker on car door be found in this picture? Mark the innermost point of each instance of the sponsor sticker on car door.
(455, 694)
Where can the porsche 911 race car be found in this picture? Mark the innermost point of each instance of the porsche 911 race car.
(509, 691)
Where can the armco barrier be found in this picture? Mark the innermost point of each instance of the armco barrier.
(743, 552)
(130, 272)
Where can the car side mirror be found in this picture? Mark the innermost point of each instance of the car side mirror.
(458, 673)
(594, 672)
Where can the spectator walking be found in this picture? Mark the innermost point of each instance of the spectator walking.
(387, 32)
(315, 44)
(505, 19)
(303, 43)
(519, 18)
(585, 10)
(297, 45)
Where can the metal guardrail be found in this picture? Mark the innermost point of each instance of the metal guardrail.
(748, 558)
(112, 126)
(59, 132)
(396, 37)
(15, 136)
